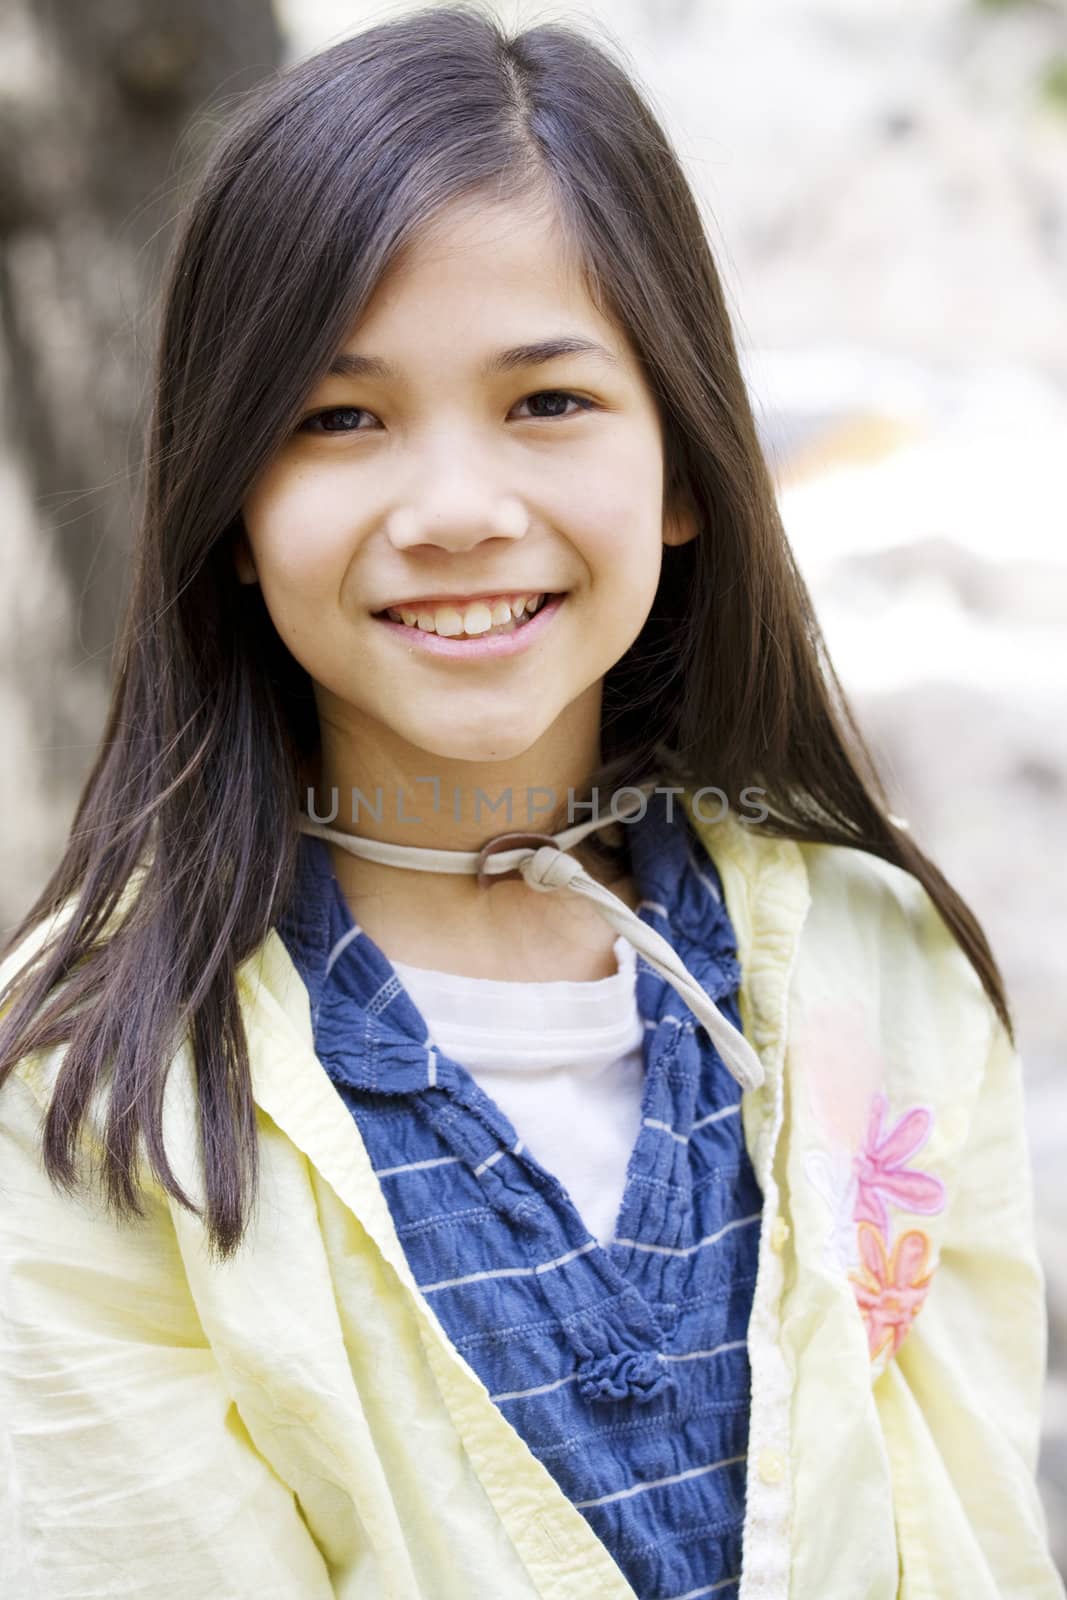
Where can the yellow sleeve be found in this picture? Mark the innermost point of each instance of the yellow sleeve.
(961, 1403)
(127, 1471)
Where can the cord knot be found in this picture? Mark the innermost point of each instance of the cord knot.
(549, 868)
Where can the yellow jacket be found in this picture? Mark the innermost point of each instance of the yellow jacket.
(294, 1425)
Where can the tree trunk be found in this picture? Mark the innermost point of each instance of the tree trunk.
(103, 115)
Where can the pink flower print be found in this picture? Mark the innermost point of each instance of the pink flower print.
(890, 1290)
(881, 1168)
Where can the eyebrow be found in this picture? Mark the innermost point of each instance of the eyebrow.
(348, 365)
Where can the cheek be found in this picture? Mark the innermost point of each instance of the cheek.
(623, 542)
(300, 532)
(624, 521)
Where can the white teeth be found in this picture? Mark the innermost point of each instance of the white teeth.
(447, 621)
(479, 617)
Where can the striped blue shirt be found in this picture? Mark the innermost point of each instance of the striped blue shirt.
(623, 1367)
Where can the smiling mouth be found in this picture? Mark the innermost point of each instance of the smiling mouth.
(479, 619)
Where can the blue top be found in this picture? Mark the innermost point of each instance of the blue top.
(624, 1366)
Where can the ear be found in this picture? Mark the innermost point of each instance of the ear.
(242, 557)
(680, 522)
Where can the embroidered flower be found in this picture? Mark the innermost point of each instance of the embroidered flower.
(889, 1280)
(881, 1167)
(890, 1289)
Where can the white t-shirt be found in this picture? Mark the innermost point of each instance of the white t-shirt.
(564, 1061)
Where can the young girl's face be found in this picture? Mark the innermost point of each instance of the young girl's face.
(460, 474)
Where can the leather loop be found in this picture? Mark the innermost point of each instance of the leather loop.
(506, 841)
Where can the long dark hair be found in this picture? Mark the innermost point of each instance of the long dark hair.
(183, 846)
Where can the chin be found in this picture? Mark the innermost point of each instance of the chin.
(480, 749)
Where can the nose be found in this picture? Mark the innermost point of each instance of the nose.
(456, 520)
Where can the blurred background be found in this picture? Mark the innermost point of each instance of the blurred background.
(885, 189)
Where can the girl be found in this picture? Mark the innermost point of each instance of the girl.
(493, 1104)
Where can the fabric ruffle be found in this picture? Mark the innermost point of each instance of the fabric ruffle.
(618, 1345)
(624, 1375)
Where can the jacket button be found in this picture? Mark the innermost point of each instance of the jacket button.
(779, 1234)
(771, 1466)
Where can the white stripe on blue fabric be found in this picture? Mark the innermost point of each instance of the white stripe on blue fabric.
(699, 1355)
(717, 1116)
(538, 1388)
(705, 880)
(713, 1588)
(659, 1483)
(512, 1272)
(441, 1161)
(664, 1127)
(416, 1166)
(653, 905)
(341, 946)
(711, 1238)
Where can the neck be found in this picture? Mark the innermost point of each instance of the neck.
(409, 796)
(380, 787)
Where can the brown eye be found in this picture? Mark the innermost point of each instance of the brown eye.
(338, 419)
(555, 397)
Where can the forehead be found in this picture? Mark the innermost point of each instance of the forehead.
(504, 267)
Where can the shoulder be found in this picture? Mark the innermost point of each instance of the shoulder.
(840, 915)
(858, 891)
(882, 923)
(38, 1072)
(850, 958)
(856, 881)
